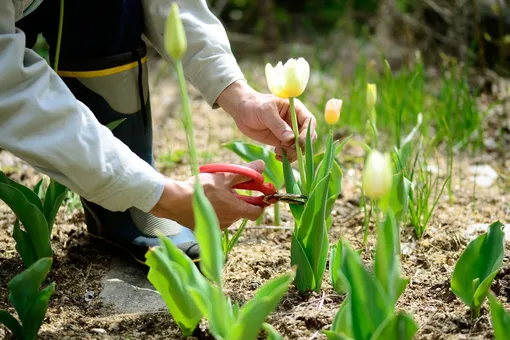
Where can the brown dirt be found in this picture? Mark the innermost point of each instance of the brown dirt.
(76, 312)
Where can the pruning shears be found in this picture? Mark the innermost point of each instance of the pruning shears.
(256, 183)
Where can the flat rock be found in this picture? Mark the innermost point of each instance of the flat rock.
(126, 289)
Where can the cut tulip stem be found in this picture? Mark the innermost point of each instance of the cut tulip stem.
(299, 152)
(187, 120)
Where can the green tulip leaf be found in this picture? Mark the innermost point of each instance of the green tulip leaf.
(32, 218)
(250, 152)
(167, 278)
(55, 195)
(115, 123)
(207, 231)
(336, 262)
(400, 326)
(35, 313)
(272, 333)
(12, 324)
(500, 318)
(29, 194)
(387, 258)
(342, 324)
(305, 277)
(24, 287)
(310, 167)
(477, 267)
(24, 245)
(253, 314)
(370, 306)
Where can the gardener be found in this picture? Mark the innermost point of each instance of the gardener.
(56, 124)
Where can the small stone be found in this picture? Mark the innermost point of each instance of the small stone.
(483, 175)
(89, 295)
(98, 330)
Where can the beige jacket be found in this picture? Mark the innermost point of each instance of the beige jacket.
(45, 125)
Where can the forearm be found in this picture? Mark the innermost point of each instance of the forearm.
(233, 97)
(42, 123)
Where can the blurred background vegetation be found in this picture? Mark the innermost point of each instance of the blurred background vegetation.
(464, 29)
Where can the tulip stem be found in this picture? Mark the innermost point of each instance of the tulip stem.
(187, 120)
(299, 152)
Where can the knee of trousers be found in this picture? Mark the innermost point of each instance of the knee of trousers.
(114, 88)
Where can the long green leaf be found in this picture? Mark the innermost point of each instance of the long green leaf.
(342, 324)
(233, 241)
(115, 123)
(256, 310)
(32, 218)
(369, 304)
(29, 194)
(24, 245)
(292, 187)
(272, 333)
(165, 277)
(481, 259)
(207, 231)
(305, 277)
(336, 262)
(55, 195)
(11, 323)
(387, 257)
(220, 313)
(399, 327)
(310, 168)
(24, 287)
(250, 152)
(312, 230)
(35, 314)
(500, 318)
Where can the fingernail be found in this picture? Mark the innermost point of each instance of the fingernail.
(287, 136)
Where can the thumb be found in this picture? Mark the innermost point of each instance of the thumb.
(279, 127)
(257, 165)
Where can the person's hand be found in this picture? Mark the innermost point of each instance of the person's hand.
(176, 201)
(267, 118)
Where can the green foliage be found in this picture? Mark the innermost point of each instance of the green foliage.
(29, 301)
(189, 296)
(250, 152)
(500, 318)
(477, 267)
(368, 310)
(33, 243)
(230, 242)
(309, 245)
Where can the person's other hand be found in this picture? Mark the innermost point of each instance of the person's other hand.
(176, 201)
(267, 118)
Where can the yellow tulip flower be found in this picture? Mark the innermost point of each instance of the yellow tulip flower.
(377, 175)
(332, 111)
(289, 80)
(175, 37)
(371, 95)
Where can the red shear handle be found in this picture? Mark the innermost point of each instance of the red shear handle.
(253, 200)
(256, 183)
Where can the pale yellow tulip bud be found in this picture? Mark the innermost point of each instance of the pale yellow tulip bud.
(377, 175)
(175, 37)
(289, 80)
(332, 111)
(371, 95)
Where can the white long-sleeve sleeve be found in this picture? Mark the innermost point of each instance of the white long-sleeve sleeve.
(44, 124)
(208, 63)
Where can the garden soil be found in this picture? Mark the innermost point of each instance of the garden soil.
(76, 312)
